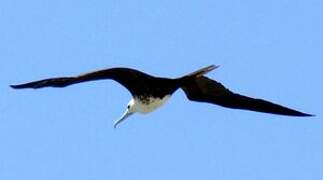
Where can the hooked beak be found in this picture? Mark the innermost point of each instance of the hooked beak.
(124, 116)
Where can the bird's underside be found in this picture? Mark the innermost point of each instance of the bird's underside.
(196, 86)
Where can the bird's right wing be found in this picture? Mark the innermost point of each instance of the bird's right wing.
(203, 89)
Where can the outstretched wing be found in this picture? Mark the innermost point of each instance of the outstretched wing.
(51, 82)
(122, 75)
(204, 89)
(66, 81)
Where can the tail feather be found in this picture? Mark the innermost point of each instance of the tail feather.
(184, 80)
(202, 71)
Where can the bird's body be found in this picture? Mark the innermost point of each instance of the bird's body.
(150, 92)
(147, 104)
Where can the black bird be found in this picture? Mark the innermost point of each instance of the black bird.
(150, 92)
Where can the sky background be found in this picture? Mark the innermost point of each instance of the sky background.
(267, 49)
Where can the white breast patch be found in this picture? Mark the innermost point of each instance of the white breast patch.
(149, 104)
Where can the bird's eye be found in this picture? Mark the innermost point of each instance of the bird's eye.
(128, 106)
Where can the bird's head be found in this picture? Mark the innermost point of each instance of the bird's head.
(129, 111)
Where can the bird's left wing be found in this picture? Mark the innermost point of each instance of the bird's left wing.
(112, 73)
(204, 89)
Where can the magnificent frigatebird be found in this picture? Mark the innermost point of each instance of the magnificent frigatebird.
(150, 92)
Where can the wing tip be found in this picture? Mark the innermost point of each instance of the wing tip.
(23, 86)
(308, 115)
(301, 114)
(15, 86)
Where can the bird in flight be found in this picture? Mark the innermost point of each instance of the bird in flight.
(150, 92)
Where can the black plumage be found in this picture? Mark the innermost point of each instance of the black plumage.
(196, 86)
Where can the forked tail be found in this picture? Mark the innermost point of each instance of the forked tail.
(189, 77)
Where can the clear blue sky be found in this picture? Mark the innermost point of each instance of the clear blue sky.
(268, 49)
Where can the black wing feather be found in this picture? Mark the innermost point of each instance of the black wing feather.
(203, 89)
(51, 82)
(121, 75)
